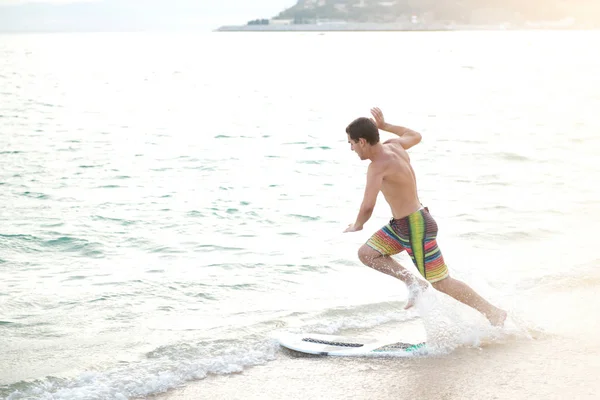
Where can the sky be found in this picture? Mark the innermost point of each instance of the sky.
(75, 15)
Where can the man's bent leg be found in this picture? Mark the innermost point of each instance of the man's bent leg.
(419, 232)
(463, 293)
(386, 264)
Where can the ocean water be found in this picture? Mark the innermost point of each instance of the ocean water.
(169, 202)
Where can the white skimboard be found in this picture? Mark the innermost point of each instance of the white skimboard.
(346, 346)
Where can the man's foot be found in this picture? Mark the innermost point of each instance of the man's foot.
(414, 291)
(497, 318)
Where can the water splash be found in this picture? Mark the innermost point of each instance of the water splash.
(450, 325)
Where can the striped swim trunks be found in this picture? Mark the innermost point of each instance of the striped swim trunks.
(416, 234)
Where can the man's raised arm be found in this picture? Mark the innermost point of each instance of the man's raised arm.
(407, 137)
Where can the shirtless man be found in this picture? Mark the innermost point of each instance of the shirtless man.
(411, 228)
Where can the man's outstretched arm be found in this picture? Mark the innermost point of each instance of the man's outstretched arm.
(407, 137)
(374, 182)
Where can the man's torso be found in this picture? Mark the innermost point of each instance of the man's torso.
(399, 183)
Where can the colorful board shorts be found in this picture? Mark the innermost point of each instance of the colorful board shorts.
(416, 234)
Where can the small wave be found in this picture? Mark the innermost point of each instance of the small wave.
(496, 183)
(20, 243)
(304, 217)
(239, 286)
(235, 266)
(124, 222)
(18, 236)
(212, 247)
(70, 244)
(103, 298)
(366, 316)
(35, 195)
(108, 187)
(311, 162)
(41, 103)
(205, 296)
(54, 225)
(496, 207)
(164, 250)
(289, 234)
(512, 157)
(75, 278)
(163, 369)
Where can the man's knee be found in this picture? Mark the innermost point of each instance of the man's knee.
(366, 255)
(443, 284)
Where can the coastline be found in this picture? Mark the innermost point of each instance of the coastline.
(366, 27)
(522, 370)
(557, 361)
(389, 27)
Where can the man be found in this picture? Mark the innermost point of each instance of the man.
(411, 228)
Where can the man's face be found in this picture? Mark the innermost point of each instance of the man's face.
(358, 147)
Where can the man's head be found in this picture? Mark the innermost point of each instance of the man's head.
(362, 134)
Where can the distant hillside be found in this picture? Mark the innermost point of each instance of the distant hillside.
(584, 12)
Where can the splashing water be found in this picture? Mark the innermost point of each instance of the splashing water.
(450, 324)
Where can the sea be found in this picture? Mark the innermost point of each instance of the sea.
(171, 202)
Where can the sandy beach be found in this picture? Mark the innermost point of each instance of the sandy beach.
(548, 369)
(562, 362)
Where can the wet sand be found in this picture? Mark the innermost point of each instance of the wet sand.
(547, 369)
(561, 364)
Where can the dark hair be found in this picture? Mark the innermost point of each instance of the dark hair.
(363, 128)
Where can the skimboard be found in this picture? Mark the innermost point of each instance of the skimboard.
(346, 346)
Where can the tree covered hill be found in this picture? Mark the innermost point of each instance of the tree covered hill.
(585, 12)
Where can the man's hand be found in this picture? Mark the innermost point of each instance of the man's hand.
(407, 137)
(378, 118)
(353, 228)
